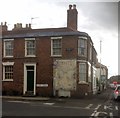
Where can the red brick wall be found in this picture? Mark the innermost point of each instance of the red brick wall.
(44, 64)
(82, 89)
(69, 47)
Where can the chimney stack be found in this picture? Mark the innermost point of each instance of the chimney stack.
(72, 15)
(19, 26)
(3, 27)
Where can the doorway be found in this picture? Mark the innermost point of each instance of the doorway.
(29, 79)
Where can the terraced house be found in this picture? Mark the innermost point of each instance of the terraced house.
(48, 62)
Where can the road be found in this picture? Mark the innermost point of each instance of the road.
(100, 105)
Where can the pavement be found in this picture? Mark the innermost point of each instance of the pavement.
(25, 98)
(41, 99)
(37, 98)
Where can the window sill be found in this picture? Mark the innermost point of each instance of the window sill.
(82, 56)
(82, 82)
(7, 80)
(30, 56)
(8, 57)
(56, 55)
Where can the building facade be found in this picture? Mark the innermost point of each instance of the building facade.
(102, 76)
(48, 62)
(0, 59)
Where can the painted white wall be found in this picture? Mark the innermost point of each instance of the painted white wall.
(103, 72)
(94, 84)
(98, 73)
(64, 76)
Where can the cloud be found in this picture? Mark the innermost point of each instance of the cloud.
(103, 14)
(98, 14)
(98, 19)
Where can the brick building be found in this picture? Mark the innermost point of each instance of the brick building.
(48, 62)
(0, 59)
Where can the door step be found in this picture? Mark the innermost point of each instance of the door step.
(29, 94)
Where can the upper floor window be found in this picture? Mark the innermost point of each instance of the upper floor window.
(82, 47)
(8, 47)
(56, 46)
(30, 47)
(90, 52)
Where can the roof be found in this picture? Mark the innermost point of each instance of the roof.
(98, 65)
(42, 32)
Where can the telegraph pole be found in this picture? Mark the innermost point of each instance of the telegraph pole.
(100, 62)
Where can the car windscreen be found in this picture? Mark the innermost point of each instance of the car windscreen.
(118, 88)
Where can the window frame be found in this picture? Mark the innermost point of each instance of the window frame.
(90, 53)
(56, 38)
(85, 73)
(26, 51)
(8, 40)
(4, 65)
(82, 48)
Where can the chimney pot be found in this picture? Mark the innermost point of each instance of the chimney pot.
(26, 25)
(1, 23)
(17, 25)
(14, 25)
(5, 23)
(74, 6)
(70, 6)
(20, 25)
(29, 25)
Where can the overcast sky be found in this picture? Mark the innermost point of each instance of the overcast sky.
(98, 19)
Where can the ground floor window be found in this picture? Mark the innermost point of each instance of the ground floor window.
(8, 72)
(82, 72)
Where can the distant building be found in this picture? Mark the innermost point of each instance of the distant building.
(102, 76)
(94, 70)
(50, 61)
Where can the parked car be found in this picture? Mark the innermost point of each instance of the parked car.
(116, 93)
(112, 86)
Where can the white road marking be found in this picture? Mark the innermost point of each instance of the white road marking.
(97, 107)
(19, 101)
(97, 114)
(116, 107)
(88, 107)
(107, 107)
(70, 107)
(48, 103)
(93, 114)
(56, 106)
(111, 115)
